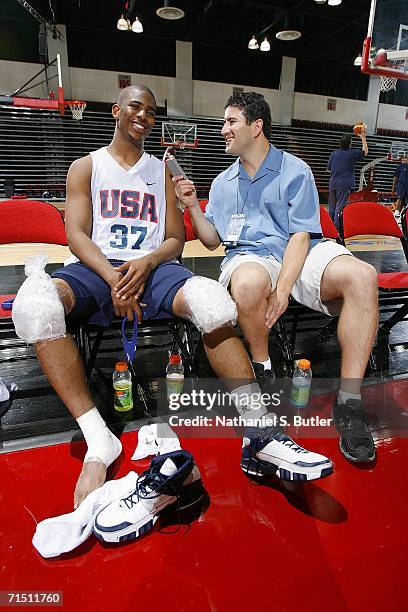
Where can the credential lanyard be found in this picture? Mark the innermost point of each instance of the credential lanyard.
(239, 212)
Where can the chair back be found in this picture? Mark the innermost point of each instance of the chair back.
(31, 221)
(188, 225)
(329, 230)
(368, 218)
(404, 221)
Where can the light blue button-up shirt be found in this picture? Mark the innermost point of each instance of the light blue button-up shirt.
(278, 201)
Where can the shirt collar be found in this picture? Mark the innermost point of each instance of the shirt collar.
(272, 161)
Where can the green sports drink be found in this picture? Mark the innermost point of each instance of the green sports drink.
(122, 388)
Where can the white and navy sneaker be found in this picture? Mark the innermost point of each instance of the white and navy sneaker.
(269, 451)
(173, 481)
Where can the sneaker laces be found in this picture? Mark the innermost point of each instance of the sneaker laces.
(276, 433)
(149, 485)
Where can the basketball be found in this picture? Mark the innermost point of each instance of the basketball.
(360, 128)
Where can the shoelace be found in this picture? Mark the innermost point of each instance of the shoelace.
(148, 486)
(275, 433)
(144, 490)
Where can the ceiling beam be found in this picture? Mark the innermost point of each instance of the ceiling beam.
(311, 42)
(203, 16)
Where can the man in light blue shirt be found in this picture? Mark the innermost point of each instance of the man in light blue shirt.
(265, 210)
(268, 223)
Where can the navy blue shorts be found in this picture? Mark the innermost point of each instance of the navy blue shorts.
(401, 190)
(93, 295)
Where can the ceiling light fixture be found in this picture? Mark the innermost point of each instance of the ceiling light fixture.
(320, 1)
(122, 23)
(334, 2)
(137, 26)
(265, 45)
(358, 61)
(169, 12)
(288, 35)
(253, 43)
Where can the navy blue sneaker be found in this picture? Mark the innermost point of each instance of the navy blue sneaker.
(173, 481)
(269, 451)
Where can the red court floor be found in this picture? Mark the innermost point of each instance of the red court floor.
(336, 544)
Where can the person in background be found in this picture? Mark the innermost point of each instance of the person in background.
(400, 185)
(341, 166)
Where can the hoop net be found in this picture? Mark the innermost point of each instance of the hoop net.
(388, 83)
(77, 109)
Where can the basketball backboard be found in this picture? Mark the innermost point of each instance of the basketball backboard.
(385, 51)
(178, 134)
(398, 151)
(53, 102)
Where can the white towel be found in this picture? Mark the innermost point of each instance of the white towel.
(5, 389)
(60, 534)
(156, 439)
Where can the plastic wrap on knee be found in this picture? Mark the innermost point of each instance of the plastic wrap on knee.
(38, 313)
(210, 304)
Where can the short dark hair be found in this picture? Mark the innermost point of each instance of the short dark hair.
(125, 93)
(345, 141)
(253, 106)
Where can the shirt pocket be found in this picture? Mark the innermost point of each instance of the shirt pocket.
(277, 211)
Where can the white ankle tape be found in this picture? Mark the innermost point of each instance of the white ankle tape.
(103, 447)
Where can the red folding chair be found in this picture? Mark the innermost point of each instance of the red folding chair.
(188, 225)
(329, 230)
(29, 221)
(364, 218)
(404, 221)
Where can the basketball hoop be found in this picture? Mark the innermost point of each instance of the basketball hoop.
(77, 108)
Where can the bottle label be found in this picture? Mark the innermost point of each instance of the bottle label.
(123, 400)
(174, 385)
(300, 395)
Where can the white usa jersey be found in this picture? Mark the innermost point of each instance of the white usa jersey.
(129, 206)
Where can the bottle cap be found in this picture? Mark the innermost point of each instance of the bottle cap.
(175, 359)
(304, 364)
(121, 366)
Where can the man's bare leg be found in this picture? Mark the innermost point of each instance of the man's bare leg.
(355, 282)
(250, 289)
(62, 365)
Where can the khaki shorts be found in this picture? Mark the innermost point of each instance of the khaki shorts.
(306, 289)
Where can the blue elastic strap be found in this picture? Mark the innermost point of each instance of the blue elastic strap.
(8, 304)
(129, 345)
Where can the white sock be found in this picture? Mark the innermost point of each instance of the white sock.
(343, 396)
(102, 445)
(266, 364)
(60, 534)
(248, 402)
(156, 439)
